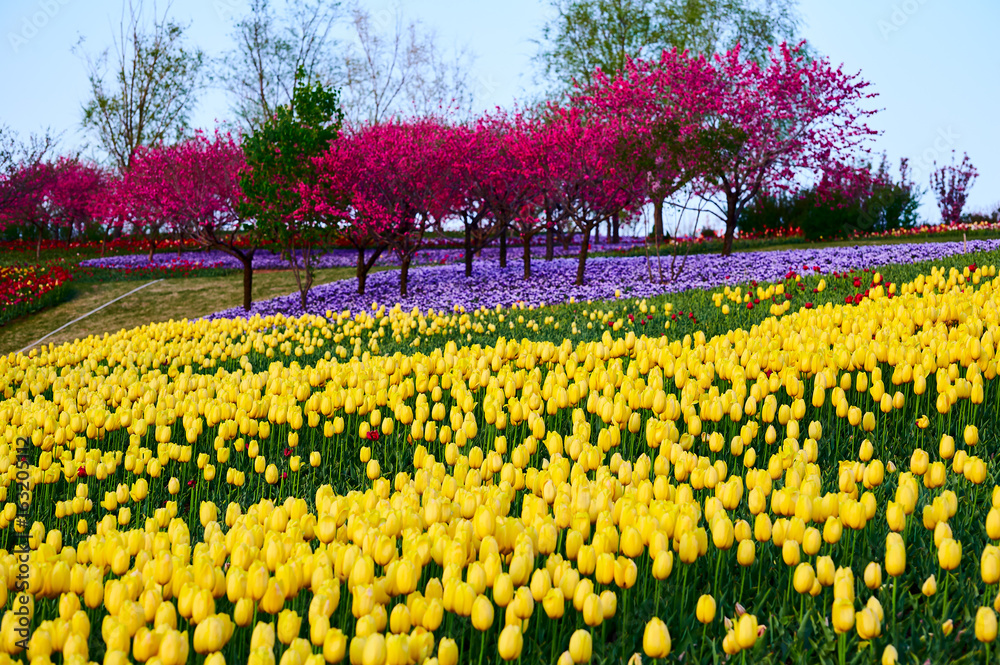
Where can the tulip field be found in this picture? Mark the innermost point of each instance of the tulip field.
(802, 470)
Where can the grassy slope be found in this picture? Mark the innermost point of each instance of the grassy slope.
(170, 299)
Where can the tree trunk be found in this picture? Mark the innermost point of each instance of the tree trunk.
(582, 263)
(468, 249)
(616, 225)
(567, 238)
(732, 219)
(503, 248)
(404, 275)
(658, 219)
(307, 269)
(152, 246)
(550, 242)
(527, 256)
(38, 247)
(247, 260)
(365, 266)
(362, 273)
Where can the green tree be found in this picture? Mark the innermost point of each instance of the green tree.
(260, 72)
(583, 35)
(279, 162)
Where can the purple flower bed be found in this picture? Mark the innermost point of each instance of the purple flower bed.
(444, 287)
(339, 258)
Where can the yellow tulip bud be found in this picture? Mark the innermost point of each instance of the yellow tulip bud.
(510, 643)
(929, 587)
(843, 615)
(804, 578)
(581, 646)
(746, 631)
(705, 610)
(656, 639)
(986, 624)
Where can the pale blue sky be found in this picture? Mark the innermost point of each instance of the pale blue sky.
(935, 64)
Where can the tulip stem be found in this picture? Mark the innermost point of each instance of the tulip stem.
(718, 565)
(685, 592)
(842, 647)
(482, 645)
(944, 614)
(895, 627)
(656, 607)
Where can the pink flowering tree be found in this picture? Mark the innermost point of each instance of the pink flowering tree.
(584, 165)
(195, 185)
(772, 126)
(475, 151)
(138, 205)
(661, 105)
(108, 208)
(339, 175)
(51, 198)
(951, 184)
(72, 193)
(402, 186)
(24, 192)
(504, 177)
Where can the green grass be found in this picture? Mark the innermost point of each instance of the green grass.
(175, 298)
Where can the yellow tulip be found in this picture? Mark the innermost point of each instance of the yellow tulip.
(867, 624)
(375, 651)
(843, 615)
(746, 631)
(656, 639)
(510, 643)
(482, 613)
(803, 578)
(949, 554)
(447, 651)
(986, 624)
(873, 575)
(581, 645)
(289, 625)
(929, 587)
(705, 610)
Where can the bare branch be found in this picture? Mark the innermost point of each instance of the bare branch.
(148, 93)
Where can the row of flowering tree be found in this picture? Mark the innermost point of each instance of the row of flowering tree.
(58, 197)
(727, 129)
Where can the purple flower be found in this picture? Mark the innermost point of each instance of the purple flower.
(443, 288)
